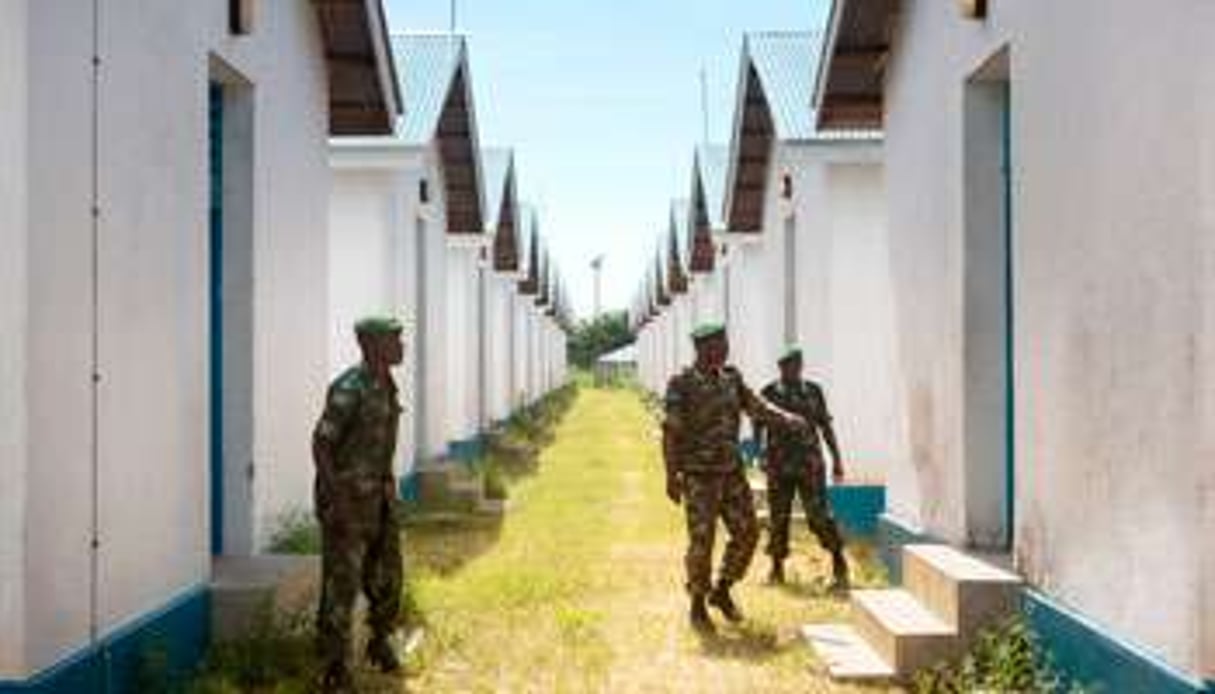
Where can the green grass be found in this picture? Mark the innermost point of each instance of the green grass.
(579, 589)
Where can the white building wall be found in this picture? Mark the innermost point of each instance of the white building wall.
(434, 305)
(518, 396)
(151, 296)
(373, 256)
(500, 367)
(843, 296)
(709, 298)
(1112, 225)
(755, 326)
(14, 318)
(461, 338)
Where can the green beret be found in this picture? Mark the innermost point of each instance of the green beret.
(791, 352)
(378, 325)
(707, 330)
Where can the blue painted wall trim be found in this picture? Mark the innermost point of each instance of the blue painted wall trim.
(178, 633)
(407, 487)
(1081, 651)
(1086, 654)
(467, 450)
(856, 507)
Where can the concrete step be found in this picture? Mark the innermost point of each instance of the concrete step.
(965, 593)
(903, 632)
(846, 653)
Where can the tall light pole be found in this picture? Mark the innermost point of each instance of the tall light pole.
(597, 266)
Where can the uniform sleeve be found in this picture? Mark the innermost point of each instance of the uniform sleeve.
(822, 413)
(340, 407)
(674, 423)
(756, 407)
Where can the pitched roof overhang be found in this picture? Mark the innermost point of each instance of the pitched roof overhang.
(457, 143)
(506, 232)
(851, 76)
(708, 183)
(530, 284)
(364, 98)
(751, 150)
(677, 276)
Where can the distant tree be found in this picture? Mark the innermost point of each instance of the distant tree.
(592, 339)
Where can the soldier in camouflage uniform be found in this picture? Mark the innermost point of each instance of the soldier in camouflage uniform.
(704, 470)
(353, 447)
(795, 467)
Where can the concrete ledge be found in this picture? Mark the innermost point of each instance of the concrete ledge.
(1087, 654)
(175, 634)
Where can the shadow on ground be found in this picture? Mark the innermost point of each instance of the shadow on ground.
(443, 546)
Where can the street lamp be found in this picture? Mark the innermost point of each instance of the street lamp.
(597, 266)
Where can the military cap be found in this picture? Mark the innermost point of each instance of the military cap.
(707, 330)
(378, 325)
(791, 352)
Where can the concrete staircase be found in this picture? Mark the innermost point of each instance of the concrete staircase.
(946, 599)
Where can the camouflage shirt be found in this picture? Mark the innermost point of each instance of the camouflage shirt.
(792, 451)
(703, 412)
(359, 426)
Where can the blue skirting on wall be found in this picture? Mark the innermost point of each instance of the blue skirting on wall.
(1081, 651)
(856, 507)
(159, 648)
(1089, 656)
(467, 450)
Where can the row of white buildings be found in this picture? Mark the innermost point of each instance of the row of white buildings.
(196, 201)
(991, 226)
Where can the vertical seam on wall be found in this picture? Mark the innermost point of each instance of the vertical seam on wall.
(94, 346)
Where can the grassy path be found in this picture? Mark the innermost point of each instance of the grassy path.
(579, 589)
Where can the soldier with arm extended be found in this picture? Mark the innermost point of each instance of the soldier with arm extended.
(795, 467)
(704, 404)
(353, 447)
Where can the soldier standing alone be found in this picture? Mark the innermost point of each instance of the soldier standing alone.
(795, 467)
(704, 470)
(353, 447)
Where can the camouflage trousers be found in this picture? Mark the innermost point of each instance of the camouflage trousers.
(708, 497)
(808, 486)
(358, 553)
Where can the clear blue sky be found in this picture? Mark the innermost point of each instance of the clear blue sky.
(601, 100)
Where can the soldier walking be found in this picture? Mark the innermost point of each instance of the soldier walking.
(353, 447)
(795, 467)
(705, 472)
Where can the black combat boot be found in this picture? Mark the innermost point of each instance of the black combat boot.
(839, 569)
(777, 575)
(699, 616)
(337, 680)
(720, 598)
(381, 654)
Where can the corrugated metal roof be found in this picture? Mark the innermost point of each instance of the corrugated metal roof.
(495, 167)
(786, 63)
(714, 162)
(426, 65)
(680, 228)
